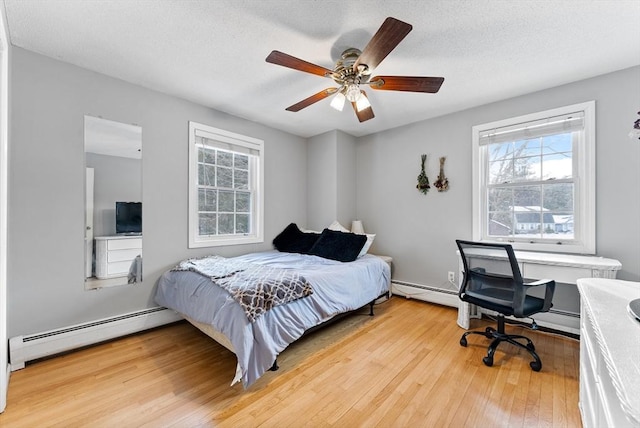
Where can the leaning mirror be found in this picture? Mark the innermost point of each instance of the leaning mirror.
(113, 203)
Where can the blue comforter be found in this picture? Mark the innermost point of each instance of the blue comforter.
(337, 287)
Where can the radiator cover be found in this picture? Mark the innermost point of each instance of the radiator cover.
(35, 346)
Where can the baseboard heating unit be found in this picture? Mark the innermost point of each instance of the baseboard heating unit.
(32, 347)
(427, 293)
(555, 319)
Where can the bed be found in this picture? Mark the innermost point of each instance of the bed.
(337, 288)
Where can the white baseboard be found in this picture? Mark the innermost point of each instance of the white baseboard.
(34, 346)
(555, 320)
(425, 293)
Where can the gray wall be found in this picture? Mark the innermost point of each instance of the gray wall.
(331, 180)
(418, 231)
(321, 180)
(46, 179)
(46, 176)
(346, 179)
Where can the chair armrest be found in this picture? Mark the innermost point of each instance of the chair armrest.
(550, 287)
(521, 293)
(538, 283)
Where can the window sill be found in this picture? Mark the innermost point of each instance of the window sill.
(220, 242)
(547, 248)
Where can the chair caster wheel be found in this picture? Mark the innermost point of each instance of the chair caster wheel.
(536, 366)
(530, 347)
(463, 341)
(489, 330)
(488, 361)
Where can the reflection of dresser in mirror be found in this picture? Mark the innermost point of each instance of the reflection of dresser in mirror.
(115, 255)
(113, 203)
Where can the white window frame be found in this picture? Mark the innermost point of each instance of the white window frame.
(231, 139)
(584, 241)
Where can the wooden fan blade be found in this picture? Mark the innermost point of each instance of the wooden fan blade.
(312, 99)
(406, 83)
(285, 60)
(364, 114)
(389, 35)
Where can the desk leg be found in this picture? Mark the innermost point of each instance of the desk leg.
(464, 311)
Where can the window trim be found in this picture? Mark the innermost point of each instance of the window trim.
(253, 144)
(585, 182)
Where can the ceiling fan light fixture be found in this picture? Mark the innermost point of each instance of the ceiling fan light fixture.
(338, 101)
(355, 67)
(362, 103)
(353, 92)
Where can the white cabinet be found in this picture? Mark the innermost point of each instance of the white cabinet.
(114, 255)
(609, 350)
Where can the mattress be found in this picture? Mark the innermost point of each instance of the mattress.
(338, 287)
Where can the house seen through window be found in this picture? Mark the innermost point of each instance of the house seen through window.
(534, 181)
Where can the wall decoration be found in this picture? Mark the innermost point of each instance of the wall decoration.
(423, 181)
(635, 132)
(442, 183)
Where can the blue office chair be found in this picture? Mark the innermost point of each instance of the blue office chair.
(492, 280)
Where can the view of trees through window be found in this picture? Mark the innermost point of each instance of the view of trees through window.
(224, 197)
(530, 188)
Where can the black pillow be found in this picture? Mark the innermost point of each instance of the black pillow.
(340, 246)
(293, 240)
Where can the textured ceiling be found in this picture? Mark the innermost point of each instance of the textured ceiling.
(213, 52)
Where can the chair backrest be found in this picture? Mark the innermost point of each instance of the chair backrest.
(483, 261)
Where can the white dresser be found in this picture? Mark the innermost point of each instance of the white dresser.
(609, 354)
(114, 255)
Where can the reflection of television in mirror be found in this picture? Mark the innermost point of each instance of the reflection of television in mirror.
(129, 218)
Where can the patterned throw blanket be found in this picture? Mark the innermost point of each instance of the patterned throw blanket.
(255, 287)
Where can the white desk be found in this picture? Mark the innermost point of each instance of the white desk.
(609, 354)
(565, 268)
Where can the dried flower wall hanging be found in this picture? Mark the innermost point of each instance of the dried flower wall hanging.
(423, 180)
(442, 183)
(635, 132)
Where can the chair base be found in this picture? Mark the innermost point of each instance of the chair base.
(499, 336)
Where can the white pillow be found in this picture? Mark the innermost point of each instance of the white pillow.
(338, 227)
(370, 238)
(309, 231)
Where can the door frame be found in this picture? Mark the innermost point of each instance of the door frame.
(4, 163)
(88, 222)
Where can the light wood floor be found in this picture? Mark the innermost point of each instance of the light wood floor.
(402, 368)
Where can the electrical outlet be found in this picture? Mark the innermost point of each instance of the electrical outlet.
(452, 277)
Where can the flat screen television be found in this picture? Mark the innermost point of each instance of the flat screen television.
(129, 217)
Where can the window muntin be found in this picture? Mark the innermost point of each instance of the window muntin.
(225, 199)
(534, 180)
(224, 196)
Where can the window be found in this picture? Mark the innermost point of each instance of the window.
(225, 187)
(534, 180)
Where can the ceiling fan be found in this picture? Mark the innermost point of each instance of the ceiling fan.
(354, 68)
